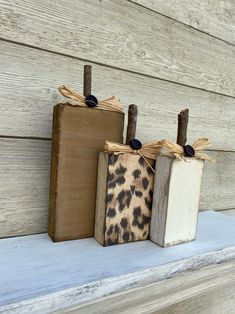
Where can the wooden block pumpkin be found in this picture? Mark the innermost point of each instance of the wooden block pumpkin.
(124, 188)
(176, 200)
(78, 136)
(124, 198)
(177, 188)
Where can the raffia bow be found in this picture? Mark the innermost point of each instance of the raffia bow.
(172, 149)
(148, 150)
(111, 103)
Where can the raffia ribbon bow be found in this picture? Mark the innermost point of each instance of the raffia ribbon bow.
(169, 148)
(111, 103)
(148, 150)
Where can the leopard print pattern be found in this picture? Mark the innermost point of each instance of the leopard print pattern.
(129, 198)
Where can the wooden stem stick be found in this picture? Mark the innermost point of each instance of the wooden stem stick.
(132, 121)
(182, 127)
(87, 80)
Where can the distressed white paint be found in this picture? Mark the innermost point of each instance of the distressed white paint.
(125, 36)
(183, 201)
(39, 276)
(175, 200)
(208, 290)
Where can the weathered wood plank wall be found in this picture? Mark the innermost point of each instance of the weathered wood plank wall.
(145, 52)
(212, 17)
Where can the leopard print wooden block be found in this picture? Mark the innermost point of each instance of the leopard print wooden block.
(124, 198)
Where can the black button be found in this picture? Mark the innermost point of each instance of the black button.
(189, 151)
(135, 144)
(91, 101)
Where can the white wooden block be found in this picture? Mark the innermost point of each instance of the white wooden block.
(175, 201)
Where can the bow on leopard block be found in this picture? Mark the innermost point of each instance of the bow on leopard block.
(111, 103)
(148, 150)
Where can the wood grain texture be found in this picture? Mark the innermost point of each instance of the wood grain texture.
(25, 169)
(87, 80)
(79, 134)
(218, 299)
(39, 276)
(218, 184)
(100, 208)
(176, 197)
(183, 117)
(213, 17)
(186, 178)
(30, 78)
(160, 201)
(210, 290)
(125, 36)
(131, 123)
(24, 172)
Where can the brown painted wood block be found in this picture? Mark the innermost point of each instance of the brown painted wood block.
(78, 135)
(124, 198)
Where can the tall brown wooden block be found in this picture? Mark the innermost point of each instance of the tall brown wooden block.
(78, 135)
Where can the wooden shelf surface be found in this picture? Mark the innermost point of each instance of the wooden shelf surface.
(40, 276)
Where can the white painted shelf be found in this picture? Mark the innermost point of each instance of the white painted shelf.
(39, 276)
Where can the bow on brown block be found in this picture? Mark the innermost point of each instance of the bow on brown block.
(171, 149)
(111, 103)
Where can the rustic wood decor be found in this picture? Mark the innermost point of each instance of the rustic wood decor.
(176, 193)
(79, 133)
(176, 200)
(124, 193)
